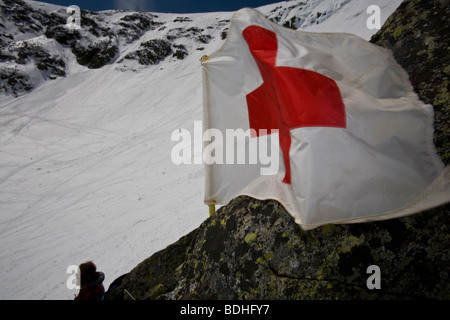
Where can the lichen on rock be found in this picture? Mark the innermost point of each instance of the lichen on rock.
(260, 253)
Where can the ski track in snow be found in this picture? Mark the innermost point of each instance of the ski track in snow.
(85, 160)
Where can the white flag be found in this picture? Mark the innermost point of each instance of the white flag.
(326, 123)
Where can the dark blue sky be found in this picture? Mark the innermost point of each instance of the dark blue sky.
(172, 6)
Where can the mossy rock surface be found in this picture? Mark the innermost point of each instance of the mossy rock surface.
(252, 249)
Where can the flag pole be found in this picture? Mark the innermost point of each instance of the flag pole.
(212, 209)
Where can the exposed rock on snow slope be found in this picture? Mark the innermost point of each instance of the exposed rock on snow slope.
(34, 36)
(86, 118)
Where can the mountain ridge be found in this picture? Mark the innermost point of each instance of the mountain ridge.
(109, 37)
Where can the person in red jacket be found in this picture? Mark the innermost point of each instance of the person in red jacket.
(91, 282)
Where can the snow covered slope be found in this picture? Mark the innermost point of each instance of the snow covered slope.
(85, 143)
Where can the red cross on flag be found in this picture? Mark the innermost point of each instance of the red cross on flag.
(327, 124)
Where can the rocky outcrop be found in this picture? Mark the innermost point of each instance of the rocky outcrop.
(253, 249)
(419, 36)
(15, 56)
(151, 52)
(100, 40)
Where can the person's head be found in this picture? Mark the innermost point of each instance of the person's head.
(87, 272)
